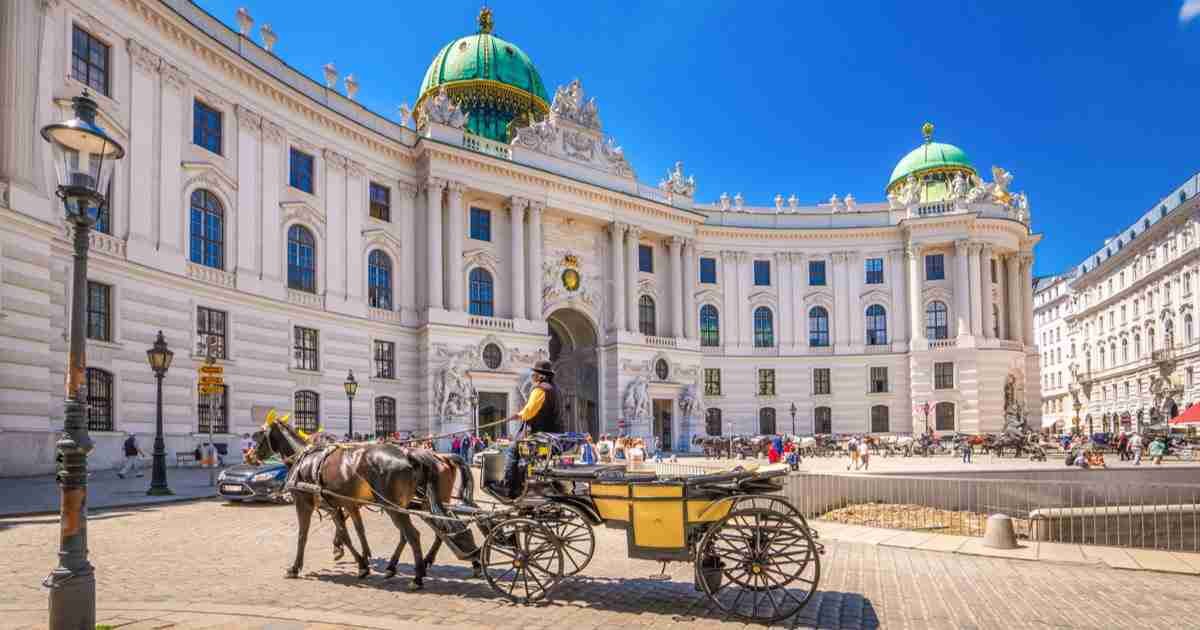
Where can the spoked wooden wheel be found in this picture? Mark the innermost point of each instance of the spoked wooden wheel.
(522, 560)
(574, 533)
(758, 564)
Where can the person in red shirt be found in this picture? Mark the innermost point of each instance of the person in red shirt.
(773, 455)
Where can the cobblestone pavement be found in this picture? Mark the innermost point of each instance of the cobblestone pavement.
(168, 558)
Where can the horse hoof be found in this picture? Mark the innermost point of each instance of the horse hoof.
(416, 585)
(363, 573)
(292, 574)
(476, 570)
(338, 552)
(390, 573)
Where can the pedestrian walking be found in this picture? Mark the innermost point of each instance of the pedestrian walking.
(589, 451)
(864, 454)
(1135, 443)
(132, 453)
(967, 450)
(1158, 448)
(852, 447)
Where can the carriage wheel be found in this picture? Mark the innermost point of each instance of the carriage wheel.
(522, 560)
(574, 533)
(758, 564)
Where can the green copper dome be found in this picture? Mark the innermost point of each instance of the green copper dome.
(493, 80)
(930, 157)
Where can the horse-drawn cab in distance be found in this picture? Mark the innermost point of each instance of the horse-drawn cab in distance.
(753, 553)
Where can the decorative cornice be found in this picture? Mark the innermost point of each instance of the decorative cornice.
(960, 246)
(456, 187)
(209, 175)
(355, 170)
(433, 184)
(173, 76)
(272, 132)
(211, 98)
(407, 189)
(334, 161)
(248, 120)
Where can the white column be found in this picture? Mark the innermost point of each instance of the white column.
(973, 278)
(616, 255)
(356, 207)
(407, 198)
(21, 44)
(170, 203)
(675, 246)
(533, 290)
(799, 314)
(783, 279)
(516, 267)
(729, 284)
(336, 238)
(985, 281)
(841, 297)
(1013, 301)
(433, 223)
(856, 279)
(454, 247)
(689, 289)
(745, 285)
(896, 276)
(912, 256)
(274, 256)
(632, 237)
(962, 289)
(1026, 279)
(140, 153)
(249, 130)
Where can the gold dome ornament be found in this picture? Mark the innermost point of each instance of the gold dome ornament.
(485, 20)
(570, 280)
(927, 131)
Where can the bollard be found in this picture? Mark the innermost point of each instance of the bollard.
(999, 533)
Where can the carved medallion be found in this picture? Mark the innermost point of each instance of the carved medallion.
(570, 280)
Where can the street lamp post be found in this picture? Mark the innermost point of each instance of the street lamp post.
(793, 410)
(925, 410)
(351, 386)
(83, 158)
(159, 357)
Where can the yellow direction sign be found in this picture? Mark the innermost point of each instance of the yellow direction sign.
(211, 380)
(211, 389)
(211, 369)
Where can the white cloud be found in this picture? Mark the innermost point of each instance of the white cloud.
(1189, 11)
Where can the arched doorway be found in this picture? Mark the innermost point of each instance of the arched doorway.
(573, 343)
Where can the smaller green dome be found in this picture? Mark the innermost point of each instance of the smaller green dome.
(930, 156)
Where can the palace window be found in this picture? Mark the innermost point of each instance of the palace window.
(206, 127)
(816, 273)
(936, 326)
(818, 327)
(821, 384)
(646, 258)
(306, 411)
(481, 224)
(99, 385)
(874, 270)
(207, 230)
(300, 171)
(762, 273)
(211, 331)
(647, 320)
(385, 416)
(381, 202)
(879, 419)
(103, 218)
(935, 267)
(943, 375)
(943, 414)
(89, 60)
(212, 412)
(305, 349)
(482, 302)
(712, 421)
(764, 328)
(766, 421)
(710, 326)
(99, 311)
(879, 380)
(823, 420)
(876, 325)
(766, 382)
(302, 259)
(712, 381)
(708, 271)
(385, 359)
(379, 280)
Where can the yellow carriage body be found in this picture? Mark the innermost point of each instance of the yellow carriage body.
(657, 516)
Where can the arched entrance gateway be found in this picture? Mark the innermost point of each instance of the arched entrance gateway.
(573, 352)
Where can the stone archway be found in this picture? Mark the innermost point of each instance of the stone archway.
(573, 351)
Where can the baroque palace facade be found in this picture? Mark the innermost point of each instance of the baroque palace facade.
(1117, 332)
(439, 255)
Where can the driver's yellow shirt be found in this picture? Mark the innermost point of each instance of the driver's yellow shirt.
(533, 405)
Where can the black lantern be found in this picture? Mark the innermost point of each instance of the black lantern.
(83, 159)
(351, 386)
(159, 357)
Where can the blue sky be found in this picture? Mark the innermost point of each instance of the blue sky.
(1092, 105)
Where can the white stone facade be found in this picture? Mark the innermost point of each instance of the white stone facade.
(557, 210)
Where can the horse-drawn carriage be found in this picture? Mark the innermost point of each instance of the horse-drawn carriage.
(753, 553)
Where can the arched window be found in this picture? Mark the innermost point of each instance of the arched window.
(385, 416)
(207, 230)
(710, 326)
(307, 410)
(879, 419)
(876, 325)
(936, 326)
(766, 421)
(995, 321)
(647, 319)
(1168, 334)
(482, 302)
(1187, 328)
(712, 421)
(1137, 346)
(100, 399)
(302, 259)
(943, 414)
(1125, 350)
(818, 326)
(1150, 341)
(1112, 352)
(764, 328)
(1101, 361)
(379, 280)
(823, 420)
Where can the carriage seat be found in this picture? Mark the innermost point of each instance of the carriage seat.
(600, 472)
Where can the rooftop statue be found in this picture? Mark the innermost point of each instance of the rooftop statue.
(569, 103)
(676, 184)
(440, 109)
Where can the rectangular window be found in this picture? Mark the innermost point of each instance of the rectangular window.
(300, 173)
(206, 127)
(874, 270)
(943, 375)
(712, 381)
(89, 60)
(381, 202)
(385, 359)
(99, 311)
(213, 412)
(211, 331)
(879, 380)
(766, 382)
(821, 386)
(992, 264)
(935, 267)
(305, 350)
(762, 273)
(816, 273)
(708, 271)
(646, 258)
(481, 224)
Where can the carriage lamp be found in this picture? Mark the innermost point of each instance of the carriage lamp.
(351, 386)
(159, 356)
(83, 162)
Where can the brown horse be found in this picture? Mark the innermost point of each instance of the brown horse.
(358, 474)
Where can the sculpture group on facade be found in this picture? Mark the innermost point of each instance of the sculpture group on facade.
(573, 131)
(636, 405)
(677, 184)
(441, 110)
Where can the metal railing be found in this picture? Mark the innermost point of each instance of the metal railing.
(1142, 515)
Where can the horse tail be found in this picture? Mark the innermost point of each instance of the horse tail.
(466, 478)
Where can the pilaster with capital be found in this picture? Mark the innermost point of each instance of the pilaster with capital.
(985, 281)
(729, 284)
(633, 237)
(745, 285)
(407, 198)
(1013, 299)
(170, 218)
(516, 268)
(533, 278)
(973, 278)
(912, 258)
(616, 256)
(841, 299)
(454, 242)
(896, 277)
(249, 231)
(798, 316)
(675, 247)
(689, 289)
(962, 289)
(141, 152)
(1026, 280)
(356, 208)
(433, 189)
(333, 190)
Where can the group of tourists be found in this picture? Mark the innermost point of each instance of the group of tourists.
(1083, 453)
(860, 453)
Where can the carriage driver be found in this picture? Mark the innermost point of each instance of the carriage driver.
(540, 415)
